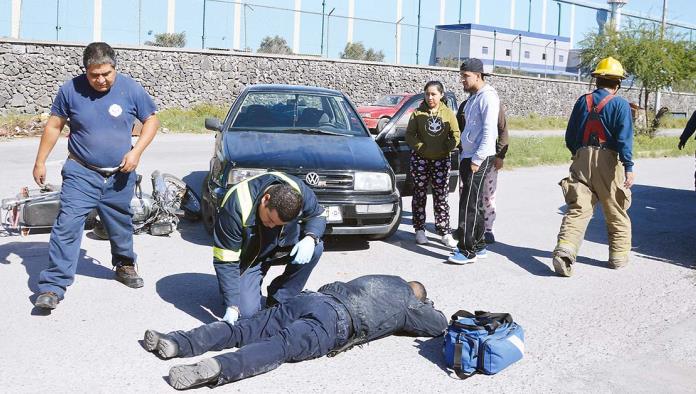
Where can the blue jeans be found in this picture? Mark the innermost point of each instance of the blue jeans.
(307, 326)
(287, 285)
(82, 191)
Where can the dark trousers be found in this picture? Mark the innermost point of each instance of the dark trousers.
(287, 285)
(305, 327)
(82, 191)
(471, 210)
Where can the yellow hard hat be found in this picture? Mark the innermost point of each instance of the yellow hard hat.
(609, 68)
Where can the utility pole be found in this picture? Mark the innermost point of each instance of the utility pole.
(558, 32)
(460, 12)
(57, 18)
(203, 34)
(418, 31)
(323, 12)
(529, 17)
(664, 20)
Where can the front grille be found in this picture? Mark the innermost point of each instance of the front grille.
(327, 180)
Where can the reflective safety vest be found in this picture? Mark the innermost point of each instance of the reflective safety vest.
(245, 201)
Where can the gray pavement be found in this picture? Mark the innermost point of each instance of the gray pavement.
(601, 331)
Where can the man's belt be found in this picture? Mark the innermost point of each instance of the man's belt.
(103, 171)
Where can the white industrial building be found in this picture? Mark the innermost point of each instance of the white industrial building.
(501, 47)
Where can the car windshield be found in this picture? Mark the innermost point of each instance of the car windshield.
(390, 100)
(297, 113)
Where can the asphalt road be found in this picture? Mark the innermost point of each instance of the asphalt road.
(600, 331)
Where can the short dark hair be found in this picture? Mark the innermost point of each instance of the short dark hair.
(98, 53)
(608, 83)
(418, 290)
(285, 200)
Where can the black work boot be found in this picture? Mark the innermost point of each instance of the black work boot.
(183, 377)
(161, 344)
(126, 274)
(47, 300)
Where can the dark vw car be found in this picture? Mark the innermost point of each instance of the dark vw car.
(316, 135)
(392, 140)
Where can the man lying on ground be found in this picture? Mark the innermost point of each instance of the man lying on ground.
(310, 325)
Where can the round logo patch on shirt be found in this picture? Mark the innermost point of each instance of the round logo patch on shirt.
(434, 126)
(115, 110)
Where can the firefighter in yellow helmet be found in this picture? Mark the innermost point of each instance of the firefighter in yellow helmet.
(600, 138)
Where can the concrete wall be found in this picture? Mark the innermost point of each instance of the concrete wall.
(31, 72)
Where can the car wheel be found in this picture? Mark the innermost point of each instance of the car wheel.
(207, 211)
(382, 122)
(392, 230)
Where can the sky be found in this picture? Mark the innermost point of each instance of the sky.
(121, 23)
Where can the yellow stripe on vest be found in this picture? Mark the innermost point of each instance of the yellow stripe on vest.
(225, 254)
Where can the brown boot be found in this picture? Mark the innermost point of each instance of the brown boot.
(126, 274)
(563, 262)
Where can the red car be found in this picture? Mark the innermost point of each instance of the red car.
(378, 114)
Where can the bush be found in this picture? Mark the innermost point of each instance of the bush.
(356, 51)
(170, 40)
(275, 44)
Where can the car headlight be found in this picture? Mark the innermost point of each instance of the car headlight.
(237, 175)
(372, 181)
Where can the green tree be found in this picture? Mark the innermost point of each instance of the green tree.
(357, 51)
(172, 40)
(275, 44)
(656, 60)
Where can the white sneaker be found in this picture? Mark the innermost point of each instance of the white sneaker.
(448, 241)
(421, 239)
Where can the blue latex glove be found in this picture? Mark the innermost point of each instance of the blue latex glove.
(304, 250)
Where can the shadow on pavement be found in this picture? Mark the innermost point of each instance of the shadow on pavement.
(34, 256)
(662, 225)
(527, 258)
(194, 293)
(431, 350)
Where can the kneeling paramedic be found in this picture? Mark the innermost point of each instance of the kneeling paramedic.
(599, 135)
(257, 224)
(310, 325)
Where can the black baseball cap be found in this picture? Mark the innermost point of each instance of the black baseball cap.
(473, 65)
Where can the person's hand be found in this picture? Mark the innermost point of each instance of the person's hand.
(231, 315)
(629, 180)
(498, 163)
(130, 161)
(474, 168)
(303, 250)
(681, 144)
(39, 173)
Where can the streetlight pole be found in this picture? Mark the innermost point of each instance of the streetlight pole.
(558, 32)
(203, 34)
(529, 17)
(554, 54)
(519, 54)
(495, 38)
(512, 47)
(546, 56)
(418, 31)
(323, 12)
(328, 26)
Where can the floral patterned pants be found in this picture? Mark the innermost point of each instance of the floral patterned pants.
(490, 186)
(435, 173)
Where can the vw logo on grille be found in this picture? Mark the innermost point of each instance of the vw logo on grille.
(312, 179)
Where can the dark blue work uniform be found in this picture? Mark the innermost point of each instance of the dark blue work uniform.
(334, 319)
(244, 249)
(100, 135)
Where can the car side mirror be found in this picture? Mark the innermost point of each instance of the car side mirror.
(213, 124)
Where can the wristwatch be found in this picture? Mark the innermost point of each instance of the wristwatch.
(314, 237)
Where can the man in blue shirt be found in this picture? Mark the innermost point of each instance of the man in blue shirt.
(100, 107)
(600, 137)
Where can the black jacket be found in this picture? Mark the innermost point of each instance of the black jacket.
(381, 305)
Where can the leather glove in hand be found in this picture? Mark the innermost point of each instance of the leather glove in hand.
(231, 315)
(303, 250)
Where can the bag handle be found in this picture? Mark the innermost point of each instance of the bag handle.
(485, 320)
(457, 365)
